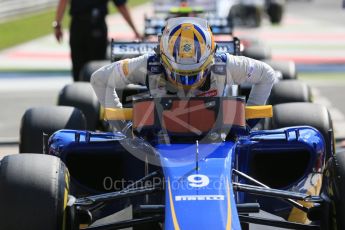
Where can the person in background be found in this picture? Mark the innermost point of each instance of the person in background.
(88, 29)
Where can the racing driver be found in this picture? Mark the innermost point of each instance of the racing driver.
(185, 65)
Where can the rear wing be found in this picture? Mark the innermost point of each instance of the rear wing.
(123, 50)
(219, 26)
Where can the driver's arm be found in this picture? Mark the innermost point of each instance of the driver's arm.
(246, 70)
(116, 76)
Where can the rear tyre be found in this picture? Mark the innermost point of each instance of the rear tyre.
(48, 120)
(245, 15)
(290, 91)
(257, 52)
(275, 11)
(89, 68)
(300, 113)
(81, 96)
(287, 68)
(254, 15)
(33, 192)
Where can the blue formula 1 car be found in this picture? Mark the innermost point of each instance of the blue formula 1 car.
(182, 163)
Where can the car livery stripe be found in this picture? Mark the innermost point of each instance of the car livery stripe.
(65, 199)
(101, 113)
(172, 208)
(67, 180)
(228, 223)
(299, 216)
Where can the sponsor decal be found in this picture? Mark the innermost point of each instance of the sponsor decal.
(133, 48)
(219, 69)
(118, 68)
(187, 47)
(210, 93)
(155, 69)
(199, 198)
(250, 71)
(125, 67)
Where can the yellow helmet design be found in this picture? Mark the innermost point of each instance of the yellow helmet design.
(186, 48)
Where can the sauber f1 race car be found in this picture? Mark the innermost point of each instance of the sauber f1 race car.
(182, 163)
(175, 163)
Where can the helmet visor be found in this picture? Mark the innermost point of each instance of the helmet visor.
(188, 80)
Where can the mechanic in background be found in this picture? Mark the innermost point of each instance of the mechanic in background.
(186, 65)
(88, 29)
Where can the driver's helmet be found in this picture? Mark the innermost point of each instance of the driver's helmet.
(186, 49)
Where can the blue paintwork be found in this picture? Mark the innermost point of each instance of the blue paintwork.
(62, 140)
(309, 139)
(215, 161)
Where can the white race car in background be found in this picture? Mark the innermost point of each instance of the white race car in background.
(250, 12)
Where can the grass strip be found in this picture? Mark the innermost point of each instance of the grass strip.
(30, 27)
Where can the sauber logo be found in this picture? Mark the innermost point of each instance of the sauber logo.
(199, 197)
(141, 48)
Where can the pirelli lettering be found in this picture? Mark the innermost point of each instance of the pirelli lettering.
(199, 198)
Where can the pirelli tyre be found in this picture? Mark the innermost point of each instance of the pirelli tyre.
(81, 96)
(290, 91)
(334, 189)
(287, 68)
(33, 193)
(245, 15)
(258, 52)
(302, 113)
(275, 10)
(48, 120)
(89, 68)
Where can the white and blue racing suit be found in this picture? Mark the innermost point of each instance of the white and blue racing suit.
(227, 70)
